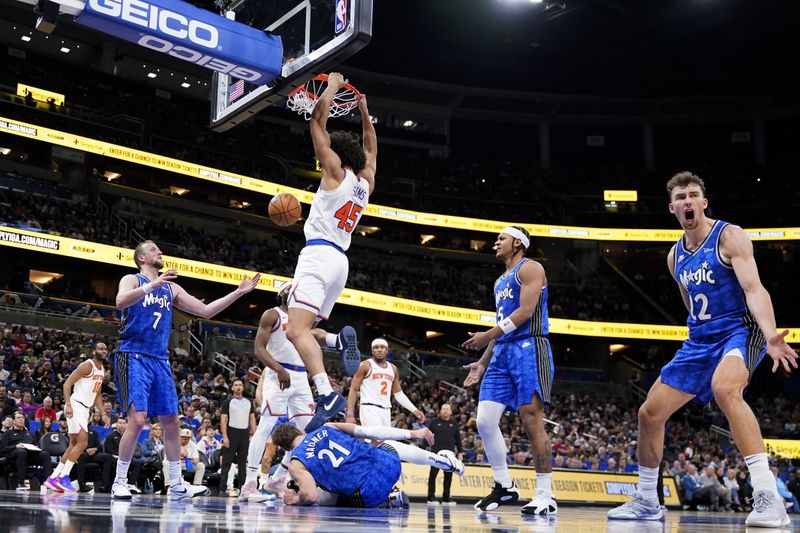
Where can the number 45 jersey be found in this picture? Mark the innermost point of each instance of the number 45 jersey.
(335, 213)
(717, 303)
(348, 466)
(146, 325)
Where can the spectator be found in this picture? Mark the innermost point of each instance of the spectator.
(111, 446)
(17, 444)
(447, 436)
(27, 406)
(153, 457)
(785, 493)
(745, 489)
(207, 444)
(45, 427)
(733, 488)
(8, 423)
(190, 457)
(696, 494)
(93, 455)
(46, 410)
(709, 479)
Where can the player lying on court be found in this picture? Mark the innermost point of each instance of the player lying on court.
(333, 466)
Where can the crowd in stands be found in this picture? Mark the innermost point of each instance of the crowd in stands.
(587, 432)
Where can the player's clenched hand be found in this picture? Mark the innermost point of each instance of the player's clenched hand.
(423, 434)
(475, 372)
(478, 341)
(284, 379)
(420, 416)
(781, 352)
(167, 276)
(336, 80)
(247, 285)
(68, 410)
(290, 497)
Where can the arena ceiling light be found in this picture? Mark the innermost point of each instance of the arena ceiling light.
(110, 175)
(26, 38)
(186, 85)
(64, 49)
(409, 124)
(152, 75)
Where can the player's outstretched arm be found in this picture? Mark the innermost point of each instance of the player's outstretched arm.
(331, 163)
(130, 291)
(370, 143)
(268, 320)
(736, 245)
(189, 304)
(383, 432)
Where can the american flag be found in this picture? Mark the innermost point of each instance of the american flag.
(236, 91)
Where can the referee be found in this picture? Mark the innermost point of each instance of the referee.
(447, 436)
(238, 422)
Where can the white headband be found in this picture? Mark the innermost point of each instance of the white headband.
(517, 234)
(380, 342)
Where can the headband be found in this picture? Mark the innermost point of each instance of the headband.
(517, 234)
(380, 342)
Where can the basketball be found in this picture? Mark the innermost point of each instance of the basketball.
(284, 209)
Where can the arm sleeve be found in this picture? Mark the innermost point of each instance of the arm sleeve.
(381, 433)
(404, 402)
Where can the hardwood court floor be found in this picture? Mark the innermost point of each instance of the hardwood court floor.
(84, 513)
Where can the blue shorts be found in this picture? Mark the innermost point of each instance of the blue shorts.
(386, 473)
(519, 369)
(146, 382)
(693, 366)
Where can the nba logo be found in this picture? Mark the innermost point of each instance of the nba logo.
(341, 16)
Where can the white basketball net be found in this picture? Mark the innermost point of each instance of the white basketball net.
(303, 99)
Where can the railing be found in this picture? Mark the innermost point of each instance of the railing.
(720, 432)
(195, 344)
(223, 362)
(29, 316)
(638, 392)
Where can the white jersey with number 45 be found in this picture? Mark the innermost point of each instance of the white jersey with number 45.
(335, 213)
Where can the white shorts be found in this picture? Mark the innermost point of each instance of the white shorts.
(372, 415)
(80, 418)
(319, 279)
(296, 401)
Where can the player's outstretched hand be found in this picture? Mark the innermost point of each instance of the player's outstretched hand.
(781, 352)
(167, 276)
(475, 372)
(336, 80)
(420, 416)
(478, 341)
(423, 434)
(248, 284)
(284, 379)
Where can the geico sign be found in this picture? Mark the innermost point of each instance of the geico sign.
(198, 58)
(156, 18)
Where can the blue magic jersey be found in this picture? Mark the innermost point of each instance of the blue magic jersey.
(507, 291)
(146, 325)
(717, 303)
(340, 463)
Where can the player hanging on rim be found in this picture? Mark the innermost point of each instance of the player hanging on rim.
(519, 372)
(731, 325)
(348, 179)
(377, 380)
(141, 367)
(283, 389)
(333, 466)
(82, 390)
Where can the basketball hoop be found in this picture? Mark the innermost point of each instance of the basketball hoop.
(303, 99)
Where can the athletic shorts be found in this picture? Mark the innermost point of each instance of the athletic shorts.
(519, 369)
(693, 366)
(146, 382)
(386, 473)
(372, 415)
(319, 279)
(296, 402)
(80, 418)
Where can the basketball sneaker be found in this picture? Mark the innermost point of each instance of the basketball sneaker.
(397, 499)
(120, 491)
(276, 486)
(455, 465)
(499, 496)
(250, 493)
(66, 484)
(541, 505)
(768, 510)
(52, 484)
(183, 490)
(639, 508)
(347, 344)
(327, 407)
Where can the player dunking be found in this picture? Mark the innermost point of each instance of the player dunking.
(81, 389)
(519, 372)
(283, 389)
(377, 380)
(143, 375)
(348, 179)
(730, 318)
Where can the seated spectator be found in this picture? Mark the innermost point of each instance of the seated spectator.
(729, 481)
(111, 446)
(27, 406)
(45, 427)
(93, 455)
(8, 423)
(785, 493)
(46, 410)
(709, 479)
(745, 489)
(190, 458)
(207, 444)
(695, 493)
(17, 444)
(153, 456)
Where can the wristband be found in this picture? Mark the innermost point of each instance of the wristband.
(507, 325)
(147, 288)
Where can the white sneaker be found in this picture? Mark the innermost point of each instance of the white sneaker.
(134, 489)
(120, 491)
(541, 505)
(24, 486)
(639, 508)
(276, 486)
(768, 510)
(455, 465)
(433, 503)
(183, 490)
(449, 503)
(250, 493)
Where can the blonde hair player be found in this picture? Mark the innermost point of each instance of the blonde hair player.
(377, 381)
(81, 390)
(348, 180)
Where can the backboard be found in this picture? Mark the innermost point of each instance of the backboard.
(317, 35)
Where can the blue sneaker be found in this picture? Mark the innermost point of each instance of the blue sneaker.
(327, 406)
(639, 508)
(66, 484)
(347, 344)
